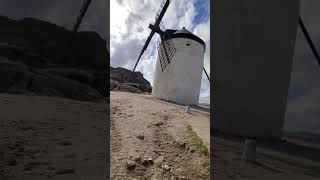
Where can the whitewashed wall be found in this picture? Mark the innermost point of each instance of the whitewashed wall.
(180, 82)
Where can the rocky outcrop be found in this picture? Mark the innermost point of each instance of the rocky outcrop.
(122, 79)
(18, 78)
(43, 58)
(42, 44)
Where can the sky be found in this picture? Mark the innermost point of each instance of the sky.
(129, 21)
(303, 106)
(63, 13)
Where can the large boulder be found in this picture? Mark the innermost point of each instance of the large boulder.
(127, 79)
(71, 73)
(59, 86)
(126, 75)
(100, 82)
(16, 77)
(12, 75)
(96, 79)
(114, 85)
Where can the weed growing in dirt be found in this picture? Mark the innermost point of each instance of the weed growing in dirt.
(200, 147)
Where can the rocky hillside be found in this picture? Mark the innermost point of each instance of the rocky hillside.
(125, 80)
(43, 58)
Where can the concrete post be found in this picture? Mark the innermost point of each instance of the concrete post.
(249, 150)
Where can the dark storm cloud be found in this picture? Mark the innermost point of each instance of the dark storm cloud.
(63, 13)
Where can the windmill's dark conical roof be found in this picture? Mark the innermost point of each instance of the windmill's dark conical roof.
(183, 33)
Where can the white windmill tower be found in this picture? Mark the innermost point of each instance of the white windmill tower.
(179, 65)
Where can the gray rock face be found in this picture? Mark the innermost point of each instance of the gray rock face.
(10, 73)
(125, 80)
(18, 78)
(41, 44)
(58, 86)
(43, 58)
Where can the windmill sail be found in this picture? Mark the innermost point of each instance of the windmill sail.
(83, 11)
(144, 48)
(166, 51)
(163, 8)
(308, 38)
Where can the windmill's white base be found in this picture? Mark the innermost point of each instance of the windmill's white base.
(181, 80)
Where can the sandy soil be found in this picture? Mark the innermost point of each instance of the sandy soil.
(51, 138)
(271, 164)
(148, 139)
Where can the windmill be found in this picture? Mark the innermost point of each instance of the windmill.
(179, 64)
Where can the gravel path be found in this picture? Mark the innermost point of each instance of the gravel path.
(148, 139)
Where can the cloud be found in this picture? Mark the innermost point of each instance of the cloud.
(303, 114)
(203, 31)
(62, 13)
(129, 30)
(303, 107)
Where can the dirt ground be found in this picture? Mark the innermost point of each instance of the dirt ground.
(149, 139)
(271, 164)
(57, 138)
(51, 138)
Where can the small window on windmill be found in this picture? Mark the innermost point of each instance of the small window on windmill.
(188, 44)
(166, 51)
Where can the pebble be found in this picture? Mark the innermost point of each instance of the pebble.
(165, 167)
(140, 137)
(159, 160)
(130, 165)
(137, 158)
(179, 170)
(159, 123)
(147, 161)
(181, 143)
